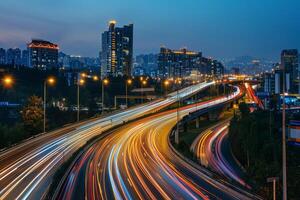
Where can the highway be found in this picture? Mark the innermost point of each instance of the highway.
(252, 96)
(137, 162)
(26, 170)
(212, 150)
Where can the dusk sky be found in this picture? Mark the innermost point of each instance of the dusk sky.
(218, 28)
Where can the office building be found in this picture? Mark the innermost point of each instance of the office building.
(2, 56)
(145, 64)
(43, 54)
(178, 63)
(10, 56)
(290, 63)
(273, 81)
(216, 68)
(17, 58)
(25, 58)
(117, 50)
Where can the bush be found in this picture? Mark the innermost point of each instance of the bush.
(11, 135)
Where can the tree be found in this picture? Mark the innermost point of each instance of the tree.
(33, 115)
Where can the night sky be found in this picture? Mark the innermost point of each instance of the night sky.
(218, 28)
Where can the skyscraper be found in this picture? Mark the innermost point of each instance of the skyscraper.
(178, 63)
(289, 62)
(10, 56)
(117, 50)
(17, 58)
(43, 54)
(2, 56)
(25, 58)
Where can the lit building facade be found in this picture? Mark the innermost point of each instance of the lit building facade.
(43, 54)
(13, 56)
(117, 50)
(25, 58)
(180, 63)
(290, 63)
(2, 56)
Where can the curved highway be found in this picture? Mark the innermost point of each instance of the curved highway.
(212, 150)
(27, 169)
(136, 162)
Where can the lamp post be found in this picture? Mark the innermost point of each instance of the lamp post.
(166, 83)
(105, 82)
(128, 82)
(50, 81)
(284, 184)
(79, 83)
(144, 82)
(177, 112)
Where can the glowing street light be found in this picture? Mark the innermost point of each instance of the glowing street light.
(48, 81)
(7, 81)
(143, 83)
(95, 78)
(128, 83)
(105, 82)
(80, 82)
(166, 84)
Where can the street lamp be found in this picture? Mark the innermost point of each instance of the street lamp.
(95, 78)
(144, 82)
(178, 82)
(79, 83)
(7, 81)
(284, 175)
(48, 81)
(104, 83)
(128, 82)
(166, 83)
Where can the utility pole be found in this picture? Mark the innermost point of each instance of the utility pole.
(177, 125)
(102, 97)
(177, 112)
(78, 100)
(50, 81)
(45, 96)
(284, 184)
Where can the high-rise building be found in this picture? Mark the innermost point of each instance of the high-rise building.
(10, 56)
(13, 56)
(117, 50)
(145, 64)
(17, 54)
(216, 68)
(43, 54)
(25, 58)
(2, 56)
(178, 63)
(290, 63)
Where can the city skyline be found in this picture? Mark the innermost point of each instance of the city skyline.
(254, 28)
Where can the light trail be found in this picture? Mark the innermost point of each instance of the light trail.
(208, 148)
(27, 169)
(137, 162)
